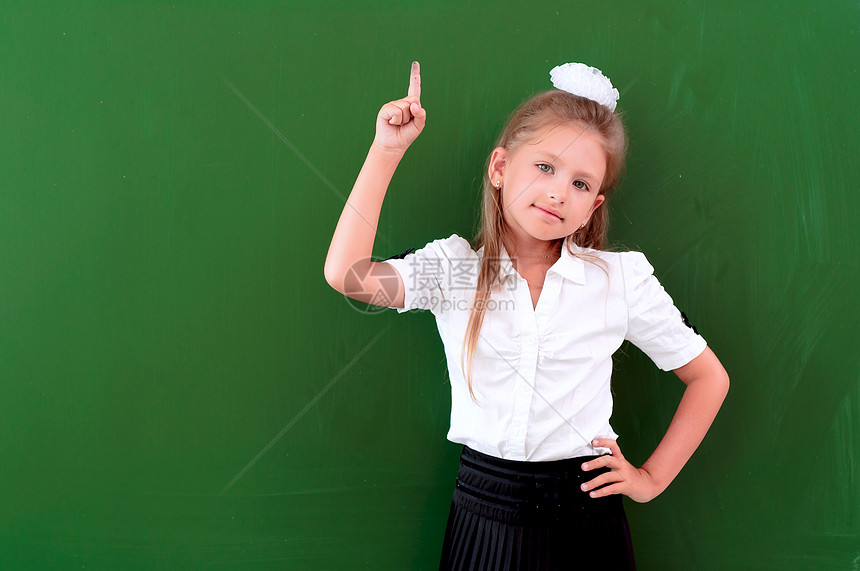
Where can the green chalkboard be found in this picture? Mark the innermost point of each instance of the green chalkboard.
(180, 388)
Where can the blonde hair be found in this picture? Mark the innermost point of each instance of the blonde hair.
(549, 108)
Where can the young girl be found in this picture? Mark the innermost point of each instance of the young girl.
(529, 323)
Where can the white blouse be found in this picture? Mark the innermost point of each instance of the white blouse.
(541, 374)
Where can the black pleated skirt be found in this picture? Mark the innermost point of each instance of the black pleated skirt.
(508, 515)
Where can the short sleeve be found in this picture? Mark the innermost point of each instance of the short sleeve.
(655, 325)
(432, 273)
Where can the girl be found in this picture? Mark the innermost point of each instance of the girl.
(529, 323)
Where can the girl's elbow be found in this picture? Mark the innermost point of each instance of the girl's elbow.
(333, 278)
(722, 383)
(719, 377)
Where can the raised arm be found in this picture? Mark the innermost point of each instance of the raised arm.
(398, 124)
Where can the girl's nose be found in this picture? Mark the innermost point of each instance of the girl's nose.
(557, 192)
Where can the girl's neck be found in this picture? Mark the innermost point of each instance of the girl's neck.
(536, 251)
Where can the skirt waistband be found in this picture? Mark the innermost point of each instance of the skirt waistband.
(523, 493)
(518, 468)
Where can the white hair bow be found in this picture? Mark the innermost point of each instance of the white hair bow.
(585, 81)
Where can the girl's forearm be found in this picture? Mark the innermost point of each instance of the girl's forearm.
(356, 229)
(707, 386)
(398, 124)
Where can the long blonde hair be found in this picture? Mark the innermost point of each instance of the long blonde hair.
(545, 109)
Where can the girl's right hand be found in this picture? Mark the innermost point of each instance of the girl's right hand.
(400, 122)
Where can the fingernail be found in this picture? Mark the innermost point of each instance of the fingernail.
(585, 466)
(591, 494)
(584, 487)
(594, 442)
(414, 63)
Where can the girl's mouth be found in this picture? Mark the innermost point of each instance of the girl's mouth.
(548, 214)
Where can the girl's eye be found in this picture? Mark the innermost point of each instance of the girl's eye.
(580, 185)
(545, 167)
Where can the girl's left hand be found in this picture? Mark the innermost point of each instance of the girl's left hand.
(623, 477)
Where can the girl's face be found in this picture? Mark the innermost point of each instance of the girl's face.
(550, 183)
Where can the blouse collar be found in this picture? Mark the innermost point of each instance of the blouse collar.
(568, 266)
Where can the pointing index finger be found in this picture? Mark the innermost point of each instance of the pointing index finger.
(415, 80)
